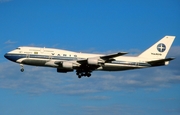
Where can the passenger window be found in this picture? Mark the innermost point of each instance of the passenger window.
(64, 54)
(75, 55)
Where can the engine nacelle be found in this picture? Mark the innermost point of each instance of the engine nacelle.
(92, 61)
(67, 65)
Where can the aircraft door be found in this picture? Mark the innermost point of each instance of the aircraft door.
(27, 55)
(137, 63)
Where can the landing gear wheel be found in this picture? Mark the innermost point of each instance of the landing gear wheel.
(79, 76)
(84, 73)
(22, 69)
(88, 75)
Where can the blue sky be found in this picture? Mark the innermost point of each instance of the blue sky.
(96, 26)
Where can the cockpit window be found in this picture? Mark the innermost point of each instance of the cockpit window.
(18, 48)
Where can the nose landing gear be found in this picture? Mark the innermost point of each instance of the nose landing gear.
(22, 68)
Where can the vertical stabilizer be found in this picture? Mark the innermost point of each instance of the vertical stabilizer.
(160, 49)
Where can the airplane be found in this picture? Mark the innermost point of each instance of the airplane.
(85, 63)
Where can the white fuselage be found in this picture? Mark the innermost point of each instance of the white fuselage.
(48, 56)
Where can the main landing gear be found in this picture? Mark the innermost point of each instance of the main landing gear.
(80, 73)
(22, 68)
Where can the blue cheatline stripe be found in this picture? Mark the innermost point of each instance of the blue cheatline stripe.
(14, 57)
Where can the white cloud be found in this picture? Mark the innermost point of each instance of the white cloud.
(2, 1)
(10, 42)
(39, 80)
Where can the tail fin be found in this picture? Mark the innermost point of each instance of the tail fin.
(160, 49)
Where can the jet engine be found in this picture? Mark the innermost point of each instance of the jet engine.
(95, 61)
(67, 65)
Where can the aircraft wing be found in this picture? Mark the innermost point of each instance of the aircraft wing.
(110, 56)
(160, 62)
(105, 57)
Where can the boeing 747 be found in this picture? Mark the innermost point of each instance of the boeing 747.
(85, 63)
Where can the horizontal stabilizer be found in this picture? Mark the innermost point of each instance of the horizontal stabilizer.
(161, 61)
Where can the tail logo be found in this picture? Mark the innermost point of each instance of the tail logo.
(161, 47)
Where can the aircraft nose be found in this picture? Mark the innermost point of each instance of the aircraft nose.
(6, 56)
(11, 57)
